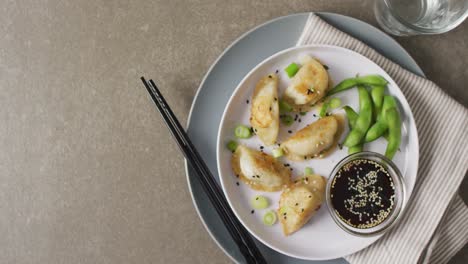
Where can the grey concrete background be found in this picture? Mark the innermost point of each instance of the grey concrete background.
(88, 172)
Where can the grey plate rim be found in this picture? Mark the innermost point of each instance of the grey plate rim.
(407, 56)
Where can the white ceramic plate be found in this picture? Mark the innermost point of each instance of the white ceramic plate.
(320, 238)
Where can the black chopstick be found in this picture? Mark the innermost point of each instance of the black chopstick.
(237, 231)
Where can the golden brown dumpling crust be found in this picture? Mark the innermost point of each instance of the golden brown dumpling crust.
(264, 116)
(313, 139)
(308, 86)
(300, 201)
(259, 170)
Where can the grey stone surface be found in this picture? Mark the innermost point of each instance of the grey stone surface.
(88, 171)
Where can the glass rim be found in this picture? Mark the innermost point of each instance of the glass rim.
(400, 191)
(424, 30)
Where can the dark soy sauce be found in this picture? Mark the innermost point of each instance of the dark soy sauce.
(363, 193)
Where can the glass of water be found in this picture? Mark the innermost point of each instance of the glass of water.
(413, 17)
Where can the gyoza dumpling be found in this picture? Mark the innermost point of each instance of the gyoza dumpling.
(312, 140)
(259, 170)
(308, 86)
(264, 116)
(300, 201)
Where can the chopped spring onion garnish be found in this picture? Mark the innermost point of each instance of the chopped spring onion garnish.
(269, 218)
(335, 102)
(284, 107)
(242, 131)
(277, 153)
(292, 69)
(303, 113)
(323, 110)
(308, 171)
(232, 145)
(260, 202)
(287, 120)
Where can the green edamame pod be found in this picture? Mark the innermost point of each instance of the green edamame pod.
(363, 121)
(377, 94)
(346, 84)
(372, 79)
(385, 135)
(351, 115)
(388, 102)
(381, 126)
(376, 130)
(343, 85)
(357, 148)
(394, 132)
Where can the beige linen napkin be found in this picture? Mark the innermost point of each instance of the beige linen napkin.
(435, 224)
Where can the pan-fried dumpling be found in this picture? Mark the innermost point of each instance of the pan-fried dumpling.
(259, 170)
(308, 86)
(312, 140)
(300, 201)
(264, 116)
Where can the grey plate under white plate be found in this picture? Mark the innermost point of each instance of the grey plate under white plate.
(224, 76)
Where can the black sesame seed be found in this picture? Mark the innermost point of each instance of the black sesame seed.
(305, 157)
(326, 67)
(261, 147)
(253, 211)
(289, 131)
(297, 204)
(256, 198)
(237, 175)
(276, 71)
(291, 169)
(269, 76)
(247, 101)
(310, 196)
(237, 183)
(276, 99)
(302, 210)
(315, 115)
(284, 213)
(270, 108)
(299, 120)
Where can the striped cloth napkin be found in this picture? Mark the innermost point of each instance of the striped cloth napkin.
(435, 224)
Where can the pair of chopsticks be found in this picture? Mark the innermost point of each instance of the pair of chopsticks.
(243, 240)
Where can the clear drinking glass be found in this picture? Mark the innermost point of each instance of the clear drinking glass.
(413, 17)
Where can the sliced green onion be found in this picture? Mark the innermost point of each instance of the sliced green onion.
(335, 102)
(287, 120)
(323, 110)
(284, 107)
(242, 131)
(232, 145)
(277, 153)
(303, 113)
(260, 202)
(292, 69)
(308, 171)
(269, 218)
